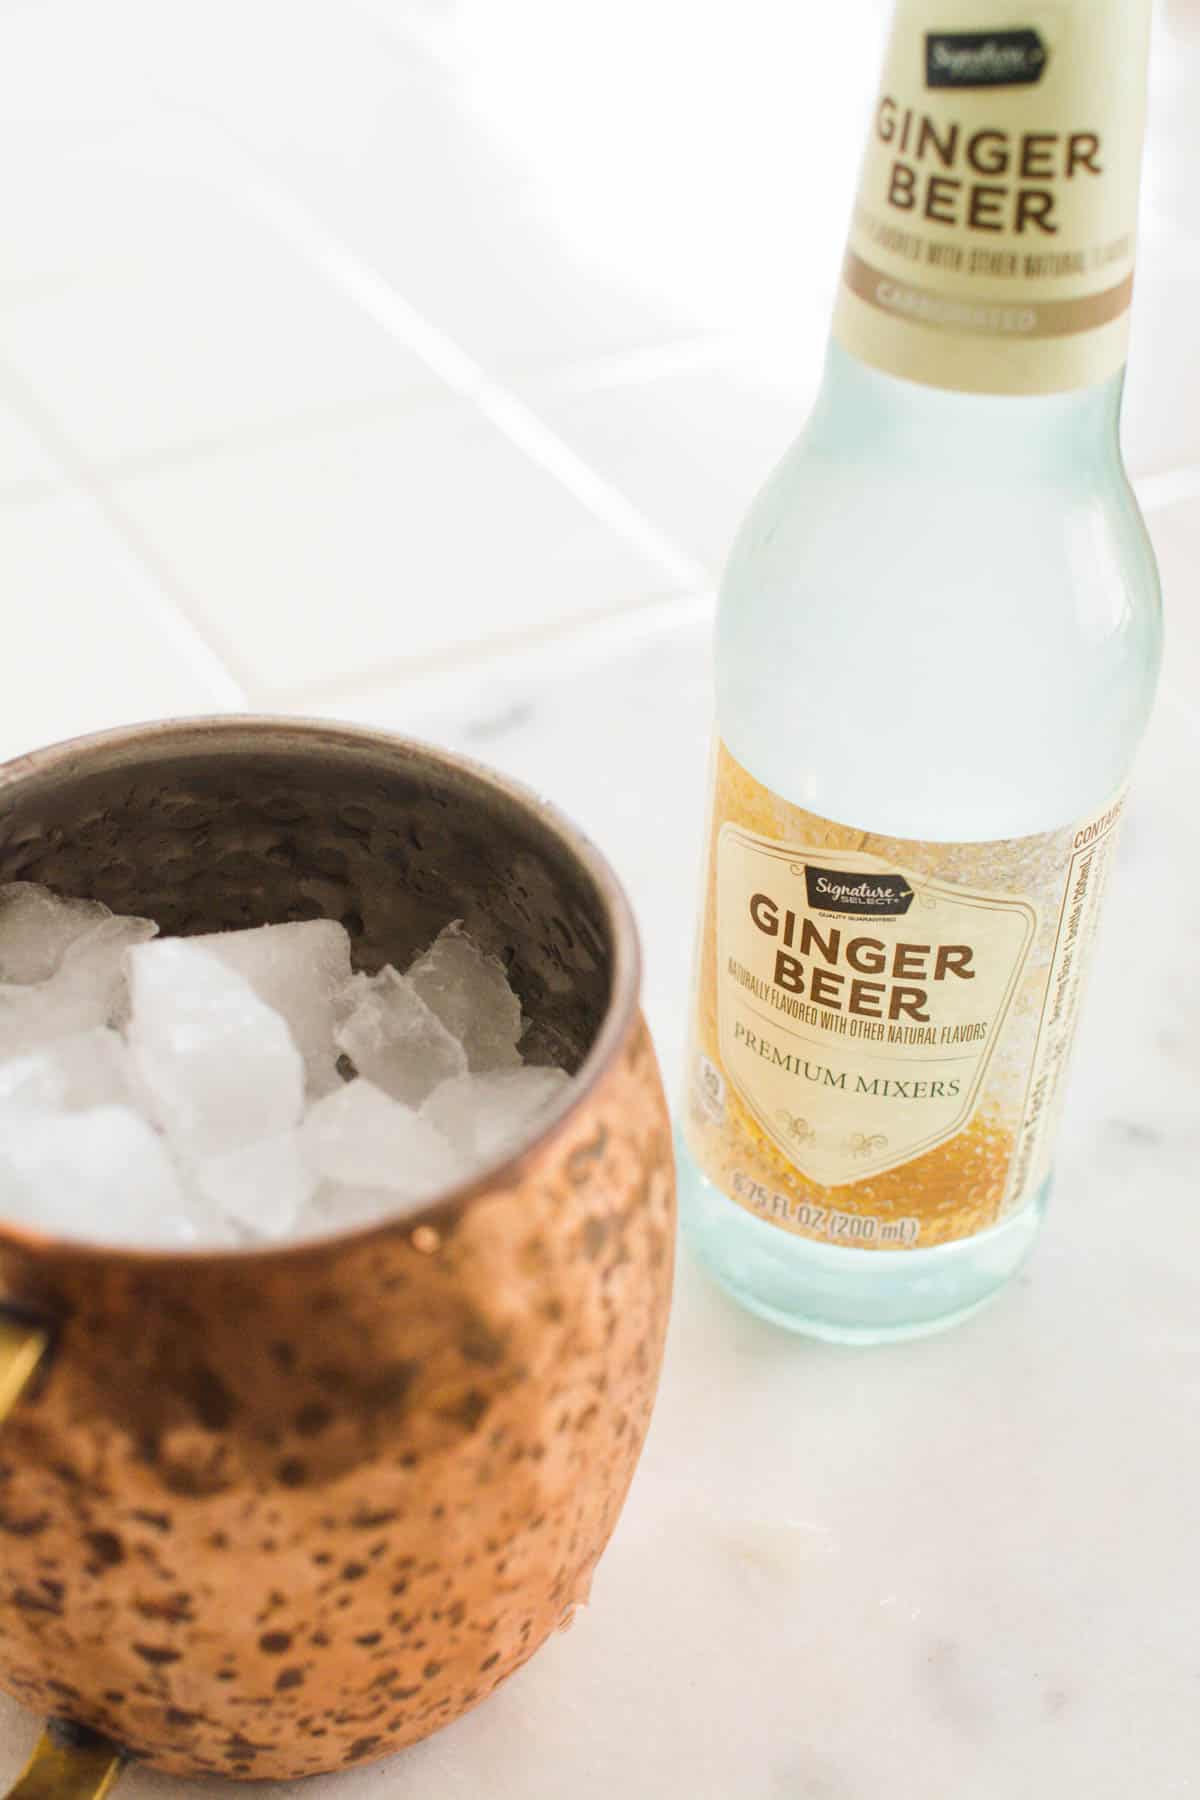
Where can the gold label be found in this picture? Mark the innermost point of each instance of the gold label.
(991, 248)
(881, 1025)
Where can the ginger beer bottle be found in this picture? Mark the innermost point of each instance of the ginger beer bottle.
(936, 650)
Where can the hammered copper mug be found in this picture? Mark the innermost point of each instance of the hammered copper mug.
(273, 1512)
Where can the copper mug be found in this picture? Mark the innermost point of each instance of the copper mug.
(274, 1512)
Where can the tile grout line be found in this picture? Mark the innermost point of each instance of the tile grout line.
(354, 276)
(269, 434)
(574, 644)
(230, 688)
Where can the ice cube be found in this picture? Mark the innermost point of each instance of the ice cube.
(87, 990)
(101, 1175)
(31, 1084)
(470, 994)
(339, 1207)
(33, 1016)
(93, 978)
(298, 970)
(214, 1066)
(96, 1069)
(394, 1040)
(260, 1188)
(36, 926)
(485, 1115)
(360, 1138)
(350, 993)
(70, 1075)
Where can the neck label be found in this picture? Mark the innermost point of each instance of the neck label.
(991, 248)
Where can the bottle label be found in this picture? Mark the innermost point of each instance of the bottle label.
(881, 1026)
(991, 248)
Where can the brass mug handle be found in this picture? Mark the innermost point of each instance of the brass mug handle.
(69, 1762)
(23, 1343)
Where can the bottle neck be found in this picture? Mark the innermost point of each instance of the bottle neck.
(862, 409)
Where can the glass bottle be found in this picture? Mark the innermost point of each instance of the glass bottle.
(936, 651)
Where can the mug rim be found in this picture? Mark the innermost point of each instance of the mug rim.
(620, 1016)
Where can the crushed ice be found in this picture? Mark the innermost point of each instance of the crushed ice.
(244, 1086)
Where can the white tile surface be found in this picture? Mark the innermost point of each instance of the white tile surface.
(94, 642)
(231, 334)
(134, 193)
(24, 460)
(1175, 530)
(384, 543)
(1160, 426)
(444, 214)
(63, 73)
(644, 154)
(691, 447)
(386, 148)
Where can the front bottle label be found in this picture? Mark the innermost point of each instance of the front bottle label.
(881, 1025)
(991, 248)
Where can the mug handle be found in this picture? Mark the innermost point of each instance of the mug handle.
(69, 1762)
(23, 1343)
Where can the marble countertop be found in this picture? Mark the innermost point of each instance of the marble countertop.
(963, 1566)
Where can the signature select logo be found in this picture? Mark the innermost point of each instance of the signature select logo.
(849, 891)
(974, 59)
